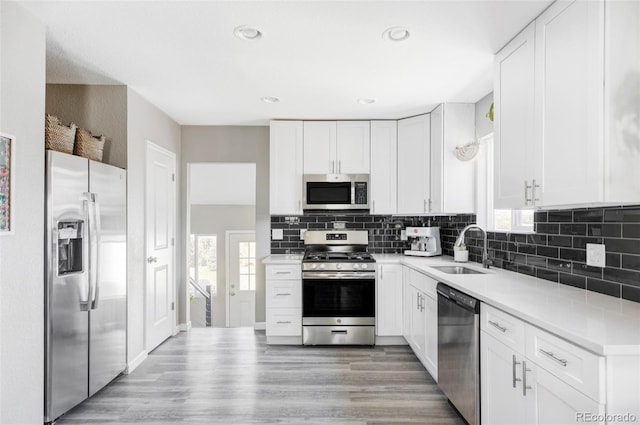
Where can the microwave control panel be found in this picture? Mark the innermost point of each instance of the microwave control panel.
(360, 193)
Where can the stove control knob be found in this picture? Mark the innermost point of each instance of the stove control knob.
(313, 266)
(364, 266)
(355, 266)
(338, 266)
(322, 266)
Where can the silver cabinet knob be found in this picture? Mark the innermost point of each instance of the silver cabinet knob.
(152, 260)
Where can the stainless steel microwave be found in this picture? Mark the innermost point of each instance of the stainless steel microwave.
(335, 192)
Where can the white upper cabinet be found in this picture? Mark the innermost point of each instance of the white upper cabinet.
(514, 140)
(285, 167)
(564, 108)
(413, 164)
(332, 147)
(352, 150)
(320, 139)
(622, 105)
(384, 167)
(452, 182)
(569, 103)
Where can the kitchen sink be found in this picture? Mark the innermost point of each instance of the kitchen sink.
(456, 270)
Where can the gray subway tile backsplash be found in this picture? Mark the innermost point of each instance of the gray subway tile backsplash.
(556, 252)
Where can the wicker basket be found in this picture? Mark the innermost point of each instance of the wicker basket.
(88, 146)
(58, 137)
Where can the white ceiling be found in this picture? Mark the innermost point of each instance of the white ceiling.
(318, 57)
(222, 184)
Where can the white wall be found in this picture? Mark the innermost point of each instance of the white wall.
(217, 220)
(99, 109)
(144, 122)
(232, 144)
(483, 125)
(22, 78)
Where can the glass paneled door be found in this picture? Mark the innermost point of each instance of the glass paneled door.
(241, 277)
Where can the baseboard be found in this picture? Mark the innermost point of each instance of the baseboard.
(260, 326)
(136, 362)
(390, 340)
(184, 327)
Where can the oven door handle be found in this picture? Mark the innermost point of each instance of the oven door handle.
(339, 275)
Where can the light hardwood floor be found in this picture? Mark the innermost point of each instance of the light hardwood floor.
(230, 376)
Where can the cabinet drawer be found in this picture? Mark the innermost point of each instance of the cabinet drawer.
(503, 326)
(284, 322)
(284, 272)
(423, 282)
(577, 367)
(284, 293)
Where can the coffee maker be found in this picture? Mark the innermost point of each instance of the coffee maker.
(425, 241)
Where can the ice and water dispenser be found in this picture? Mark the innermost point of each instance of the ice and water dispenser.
(70, 244)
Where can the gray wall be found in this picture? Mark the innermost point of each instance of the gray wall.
(483, 125)
(22, 78)
(216, 220)
(232, 144)
(145, 122)
(99, 109)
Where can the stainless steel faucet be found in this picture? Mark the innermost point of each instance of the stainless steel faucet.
(486, 262)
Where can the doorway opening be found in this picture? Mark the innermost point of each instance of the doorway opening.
(221, 257)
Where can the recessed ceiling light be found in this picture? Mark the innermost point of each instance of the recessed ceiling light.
(396, 34)
(366, 101)
(247, 33)
(270, 99)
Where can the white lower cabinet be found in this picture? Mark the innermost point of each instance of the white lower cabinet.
(389, 300)
(421, 318)
(283, 303)
(518, 389)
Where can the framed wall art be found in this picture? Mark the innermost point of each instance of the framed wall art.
(7, 184)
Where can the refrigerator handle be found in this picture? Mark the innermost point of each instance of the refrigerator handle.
(86, 255)
(97, 235)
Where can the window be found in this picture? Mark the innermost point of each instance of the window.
(501, 220)
(247, 264)
(202, 261)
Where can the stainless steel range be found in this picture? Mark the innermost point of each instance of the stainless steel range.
(338, 289)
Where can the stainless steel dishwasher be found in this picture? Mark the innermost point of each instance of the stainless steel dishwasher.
(459, 351)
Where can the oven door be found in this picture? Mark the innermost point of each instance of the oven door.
(338, 298)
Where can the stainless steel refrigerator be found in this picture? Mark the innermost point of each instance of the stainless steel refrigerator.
(85, 279)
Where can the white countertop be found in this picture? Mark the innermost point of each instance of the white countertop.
(602, 324)
(282, 259)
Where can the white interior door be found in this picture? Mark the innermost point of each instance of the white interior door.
(160, 223)
(241, 278)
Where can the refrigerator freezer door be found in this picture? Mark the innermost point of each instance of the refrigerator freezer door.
(107, 355)
(66, 288)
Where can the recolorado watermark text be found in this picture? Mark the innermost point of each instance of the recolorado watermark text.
(587, 417)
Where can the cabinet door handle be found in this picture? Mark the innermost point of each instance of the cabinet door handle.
(283, 272)
(533, 191)
(299, 205)
(549, 354)
(429, 204)
(339, 166)
(283, 294)
(338, 331)
(284, 322)
(527, 200)
(525, 387)
(373, 206)
(333, 166)
(497, 325)
(514, 364)
(424, 206)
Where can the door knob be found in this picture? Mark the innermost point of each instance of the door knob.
(152, 260)
(233, 293)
